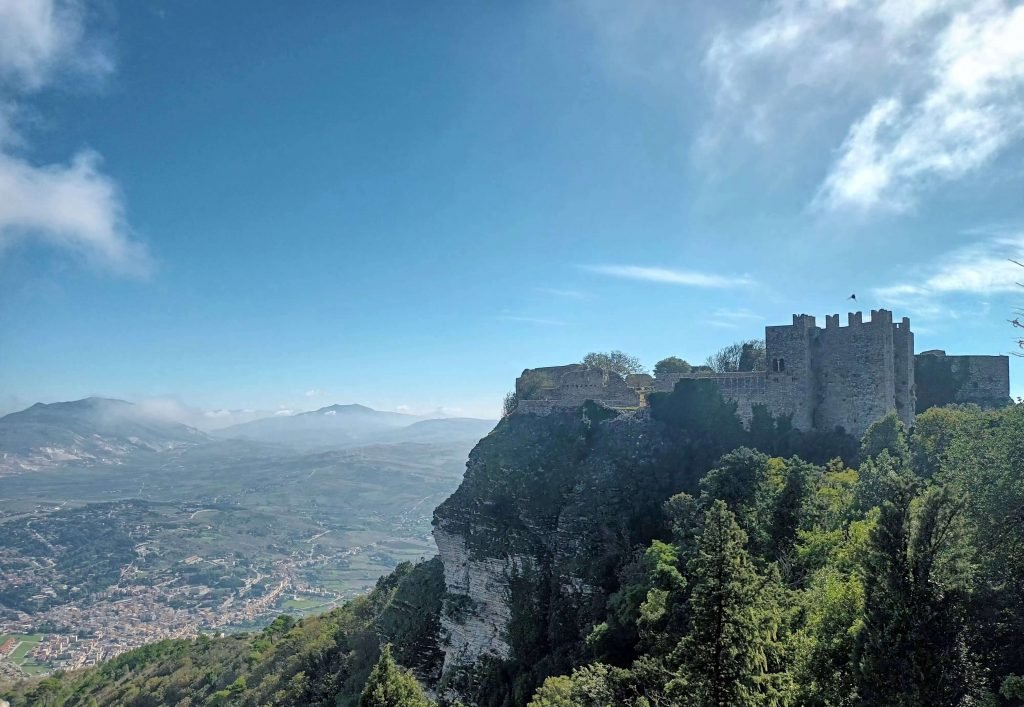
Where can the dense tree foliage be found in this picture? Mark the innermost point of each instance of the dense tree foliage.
(670, 365)
(746, 355)
(618, 361)
(390, 685)
(898, 582)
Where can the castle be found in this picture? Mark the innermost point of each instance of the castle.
(822, 379)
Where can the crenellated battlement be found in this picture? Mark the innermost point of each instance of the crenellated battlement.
(821, 378)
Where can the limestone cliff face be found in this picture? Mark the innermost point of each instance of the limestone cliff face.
(549, 507)
(478, 628)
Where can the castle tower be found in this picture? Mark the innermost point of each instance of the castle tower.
(790, 384)
(841, 376)
(903, 371)
(855, 372)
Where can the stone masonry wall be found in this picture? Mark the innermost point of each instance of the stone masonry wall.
(942, 379)
(839, 376)
(903, 371)
(854, 367)
(746, 389)
(790, 376)
(544, 389)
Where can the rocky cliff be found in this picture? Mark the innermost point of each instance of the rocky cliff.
(549, 509)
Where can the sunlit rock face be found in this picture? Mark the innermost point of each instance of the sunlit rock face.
(548, 506)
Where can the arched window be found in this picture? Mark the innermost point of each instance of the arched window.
(782, 365)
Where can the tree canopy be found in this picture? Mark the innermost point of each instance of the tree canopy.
(746, 355)
(618, 361)
(670, 365)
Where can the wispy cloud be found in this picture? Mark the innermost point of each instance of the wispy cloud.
(315, 393)
(73, 206)
(737, 315)
(938, 84)
(723, 318)
(542, 321)
(690, 278)
(567, 294)
(982, 269)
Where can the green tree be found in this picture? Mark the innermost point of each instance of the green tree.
(555, 692)
(746, 355)
(985, 465)
(886, 434)
(391, 686)
(510, 403)
(617, 361)
(791, 505)
(934, 431)
(748, 482)
(730, 656)
(880, 478)
(911, 649)
(833, 608)
(671, 365)
(595, 685)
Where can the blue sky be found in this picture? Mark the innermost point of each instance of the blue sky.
(238, 205)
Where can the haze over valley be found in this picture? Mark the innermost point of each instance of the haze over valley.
(121, 527)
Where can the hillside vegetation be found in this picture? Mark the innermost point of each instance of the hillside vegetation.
(774, 569)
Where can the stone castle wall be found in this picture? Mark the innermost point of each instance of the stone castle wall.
(840, 376)
(903, 371)
(554, 387)
(746, 389)
(854, 373)
(942, 380)
(790, 389)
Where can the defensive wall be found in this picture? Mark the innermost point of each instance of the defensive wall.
(822, 378)
(943, 379)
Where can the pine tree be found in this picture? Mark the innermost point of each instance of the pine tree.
(730, 655)
(391, 686)
(911, 650)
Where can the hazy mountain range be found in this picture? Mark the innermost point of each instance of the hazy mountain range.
(107, 431)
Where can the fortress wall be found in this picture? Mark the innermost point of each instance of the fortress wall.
(790, 391)
(903, 371)
(854, 367)
(942, 380)
(544, 389)
(746, 389)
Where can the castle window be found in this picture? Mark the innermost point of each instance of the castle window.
(782, 365)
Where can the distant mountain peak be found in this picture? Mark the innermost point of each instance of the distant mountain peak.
(88, 431)
(351, 407)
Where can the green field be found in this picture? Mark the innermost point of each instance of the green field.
(303, 605)
(27, 643)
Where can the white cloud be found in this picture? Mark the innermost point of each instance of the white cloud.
(40, 38)
(74, 206)
(939, 85)
(315, 393)
(984, 268)
(691, 278)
